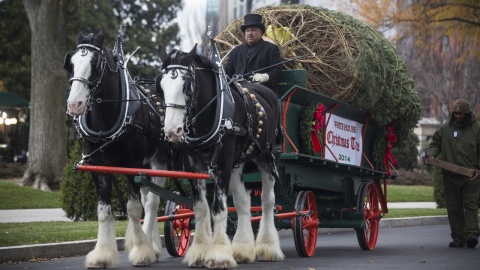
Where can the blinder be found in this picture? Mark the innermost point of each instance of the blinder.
(174, 74)
(158, 87)
(67, 62)
(85, 49)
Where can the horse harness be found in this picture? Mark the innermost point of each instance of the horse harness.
(133, 95)
(225, 109)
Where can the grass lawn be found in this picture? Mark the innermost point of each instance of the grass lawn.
(14, 196)
(15, 234)
(400, 213)
(409, 193)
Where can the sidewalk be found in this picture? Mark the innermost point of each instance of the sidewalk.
(57, 214)
(33, 215)
(431, 205)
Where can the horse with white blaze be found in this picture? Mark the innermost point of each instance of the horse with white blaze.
(120, 123)
(223, 129)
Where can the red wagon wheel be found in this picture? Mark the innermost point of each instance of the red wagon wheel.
(367, 203)
(305, 228)
(177, 232)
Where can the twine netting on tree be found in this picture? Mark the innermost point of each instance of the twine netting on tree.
(353, 62)
(302, 31)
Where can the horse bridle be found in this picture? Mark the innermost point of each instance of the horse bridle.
(174, 75)
(101, 64)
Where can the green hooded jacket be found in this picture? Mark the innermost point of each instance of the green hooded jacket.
(459, 145)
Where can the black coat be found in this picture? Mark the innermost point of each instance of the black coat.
(263, 55)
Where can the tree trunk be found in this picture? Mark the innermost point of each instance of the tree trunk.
(47, 150)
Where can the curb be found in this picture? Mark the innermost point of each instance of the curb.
(80, 248)
(413, 221)
(54, 250)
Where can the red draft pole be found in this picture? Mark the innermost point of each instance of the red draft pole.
(190, 214)
(140, 171)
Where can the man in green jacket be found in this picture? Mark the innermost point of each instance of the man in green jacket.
(458, 141)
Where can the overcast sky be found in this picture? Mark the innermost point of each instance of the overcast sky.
(190, 24)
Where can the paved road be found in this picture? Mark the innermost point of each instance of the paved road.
(417, 247)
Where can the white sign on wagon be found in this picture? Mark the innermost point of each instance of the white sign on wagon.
(344, 139)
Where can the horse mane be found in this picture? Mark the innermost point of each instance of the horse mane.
(205, 62)
(89, 38)
(199, 60)
(111, 63)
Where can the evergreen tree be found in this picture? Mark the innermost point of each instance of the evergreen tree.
(406, 154)
(146, 23)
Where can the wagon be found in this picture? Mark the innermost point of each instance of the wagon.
(336, 187)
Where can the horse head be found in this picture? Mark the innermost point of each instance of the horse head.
(86, 66)
(177, 85)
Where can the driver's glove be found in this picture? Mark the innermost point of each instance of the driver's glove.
(260, 77)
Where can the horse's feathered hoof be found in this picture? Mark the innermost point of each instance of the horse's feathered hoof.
(269, 254)
(243, 253)
(197, 264)
(141, 264)
(142, 256)
(227, 264)
(97, 266)
(101, 259)
(195, 255)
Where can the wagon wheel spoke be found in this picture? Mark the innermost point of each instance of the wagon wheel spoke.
(305, 228)
(368, 204)
(177, 232)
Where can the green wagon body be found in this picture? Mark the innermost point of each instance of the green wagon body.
(337, 187)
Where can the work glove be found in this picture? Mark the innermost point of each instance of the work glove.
(260, 77)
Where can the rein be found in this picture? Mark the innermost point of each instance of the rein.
(99, 100)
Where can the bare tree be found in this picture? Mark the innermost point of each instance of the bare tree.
(47, 141)
(440, 39)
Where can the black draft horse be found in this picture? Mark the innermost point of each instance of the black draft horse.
(222, 137)
(121, 127)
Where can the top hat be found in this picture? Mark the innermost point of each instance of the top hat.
(252, 20)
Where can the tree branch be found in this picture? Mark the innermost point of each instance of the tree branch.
(459, 20)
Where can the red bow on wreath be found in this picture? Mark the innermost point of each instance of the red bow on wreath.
(318, 119)
(391, 140)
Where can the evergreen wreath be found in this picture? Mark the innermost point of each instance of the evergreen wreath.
(307, 127)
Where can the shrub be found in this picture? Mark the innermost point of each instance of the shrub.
(412, 178)
(11, 170)
(79, 196)
(438, 190)
(406, 152)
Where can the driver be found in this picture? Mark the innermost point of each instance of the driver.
(256, 54)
